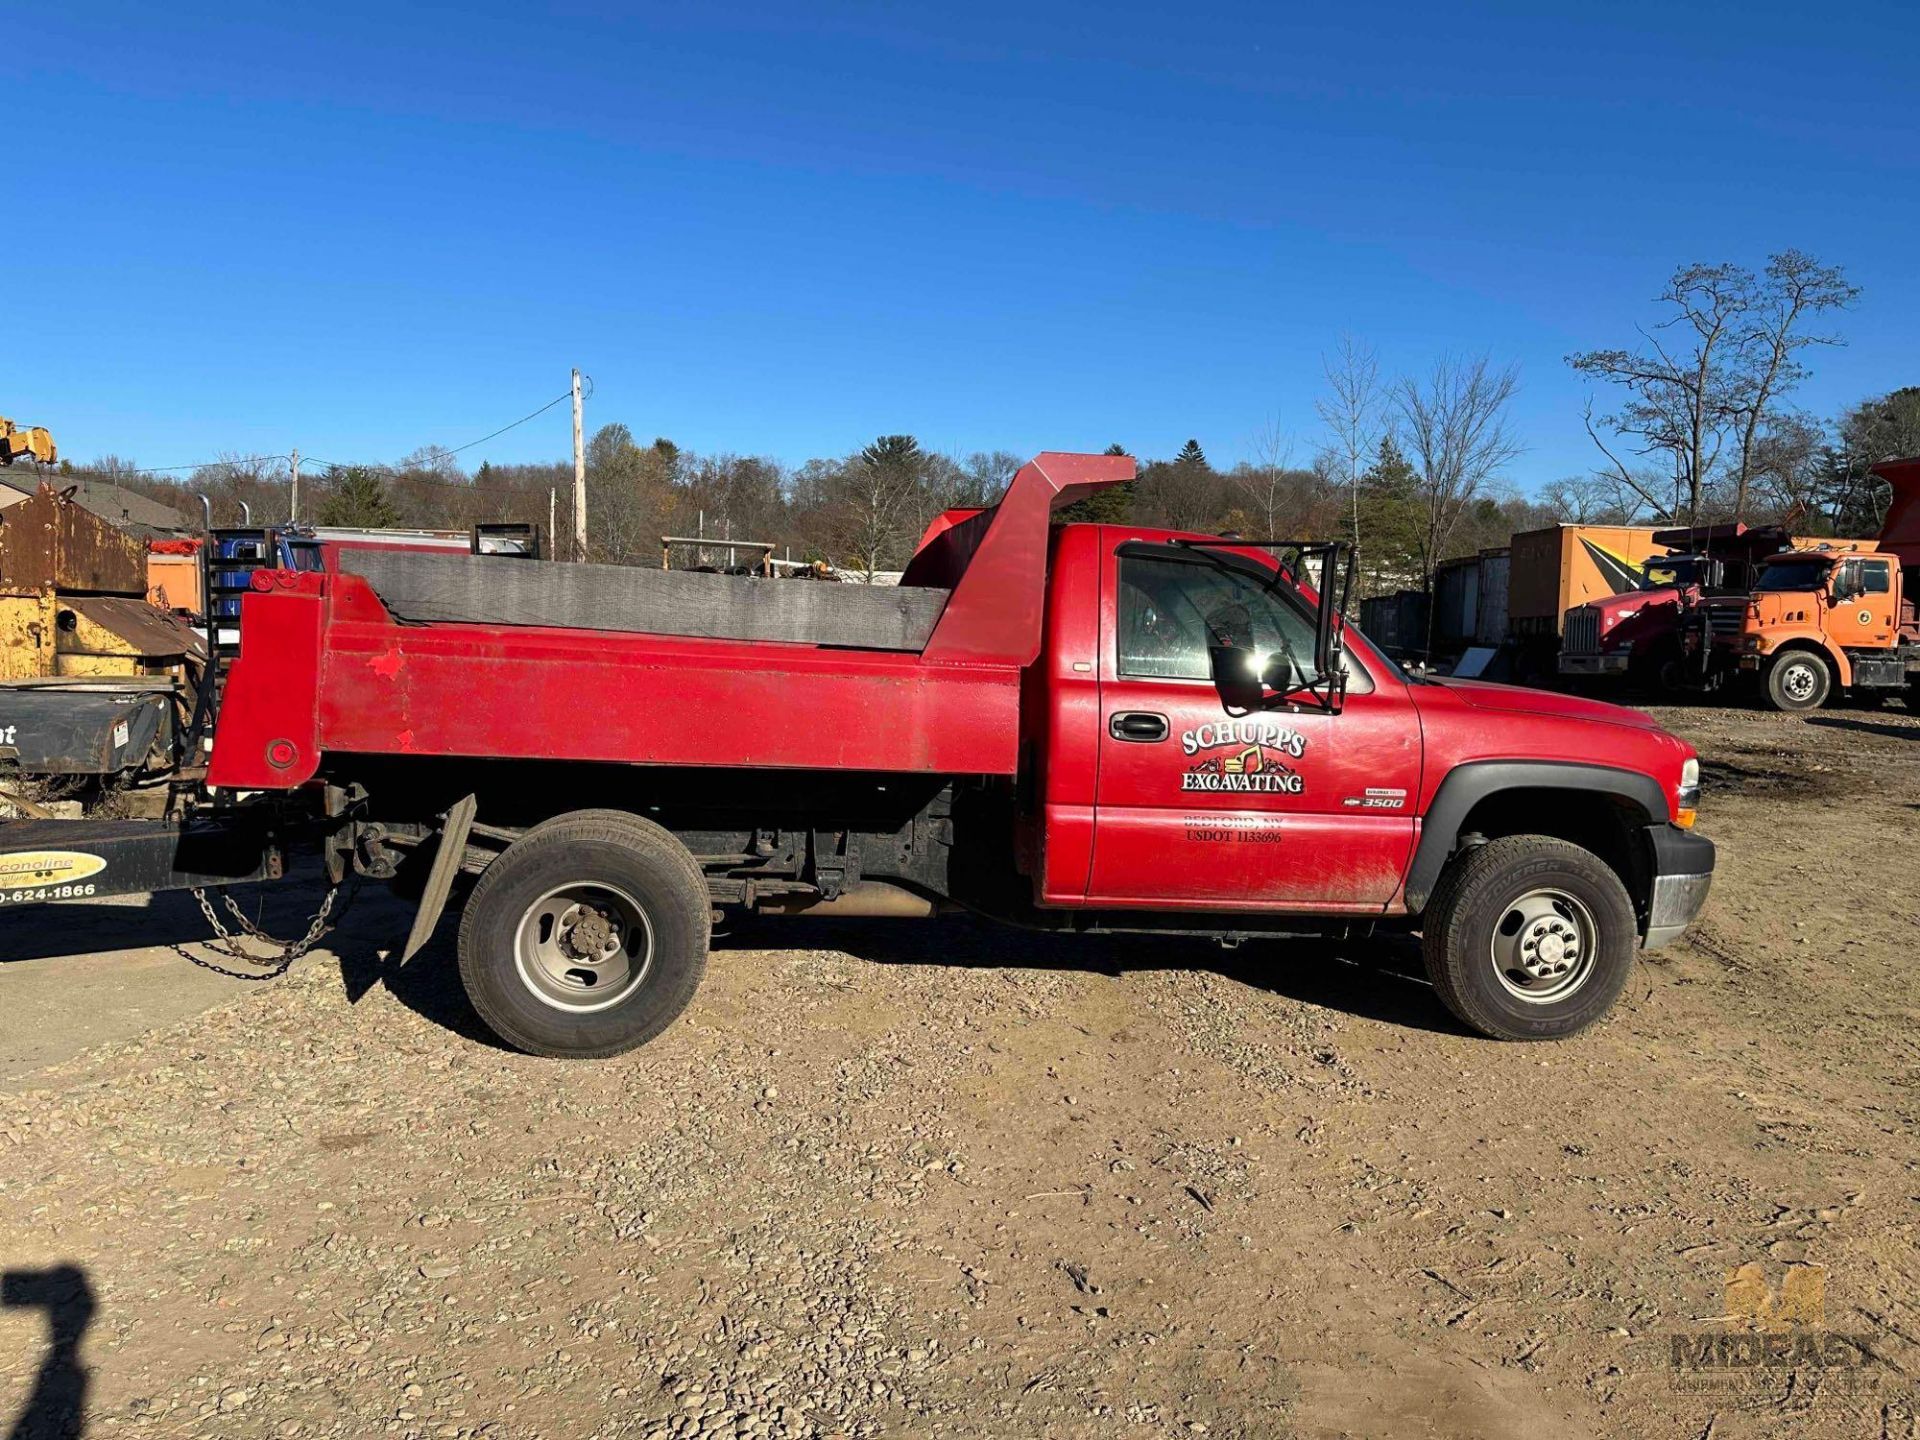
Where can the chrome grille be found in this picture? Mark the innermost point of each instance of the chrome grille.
(1582, 635)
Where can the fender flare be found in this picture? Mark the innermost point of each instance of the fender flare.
(1818, 643)
(1466, 785)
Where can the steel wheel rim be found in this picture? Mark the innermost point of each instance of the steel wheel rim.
(583, 947)
(1799, 681)
(1545, 946)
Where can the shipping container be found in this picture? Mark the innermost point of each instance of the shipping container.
(1456, 604)
(1490, 626)
(1397, 623)
(1555, 569)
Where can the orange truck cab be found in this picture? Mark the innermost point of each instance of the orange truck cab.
(1822, 623)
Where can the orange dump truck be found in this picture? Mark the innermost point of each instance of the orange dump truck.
(1837, 621)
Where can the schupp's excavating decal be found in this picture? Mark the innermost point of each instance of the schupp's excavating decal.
(1248, 757)
(1622, 576)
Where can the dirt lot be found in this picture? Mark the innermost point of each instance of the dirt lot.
(941, 1180)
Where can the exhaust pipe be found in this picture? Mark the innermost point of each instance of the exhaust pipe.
(870, 899)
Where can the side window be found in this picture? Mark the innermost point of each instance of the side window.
(1875, 577)
(1172, 612)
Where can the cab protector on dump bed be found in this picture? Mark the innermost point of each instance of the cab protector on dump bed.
(1103, 728)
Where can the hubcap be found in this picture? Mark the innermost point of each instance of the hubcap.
(1544, 946)
(1798, 682)
(583, 947)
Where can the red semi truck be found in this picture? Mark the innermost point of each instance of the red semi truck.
(1088, 728)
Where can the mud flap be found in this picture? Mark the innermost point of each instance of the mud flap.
(446, 865)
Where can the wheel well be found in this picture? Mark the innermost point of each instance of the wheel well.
(1608, 826)
(1809, 647)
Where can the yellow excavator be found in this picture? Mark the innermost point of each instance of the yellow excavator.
(25, 442)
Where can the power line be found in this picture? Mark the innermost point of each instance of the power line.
(566, 394)
(197, 465)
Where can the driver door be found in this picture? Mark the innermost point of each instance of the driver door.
(1865, 617)
(1284, 807)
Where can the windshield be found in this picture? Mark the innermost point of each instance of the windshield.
(1792, 575)
(1676, 570)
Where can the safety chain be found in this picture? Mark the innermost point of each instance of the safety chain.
(226, 942)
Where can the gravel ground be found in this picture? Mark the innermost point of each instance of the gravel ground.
(936, 1179)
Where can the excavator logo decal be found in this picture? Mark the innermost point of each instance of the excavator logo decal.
(1251, 758)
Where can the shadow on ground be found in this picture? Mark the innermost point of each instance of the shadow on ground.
(1866, 727)
(1379, 978)
(57, 1407)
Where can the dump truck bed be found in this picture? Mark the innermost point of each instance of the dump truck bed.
(425, 587)
(327, 666)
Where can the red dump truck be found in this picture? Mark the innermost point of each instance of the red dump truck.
(1672, 631)
(1088, 728)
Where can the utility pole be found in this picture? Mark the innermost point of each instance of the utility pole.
(579, 477)
(293, 509)
(553, 511)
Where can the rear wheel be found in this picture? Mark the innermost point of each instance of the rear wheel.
(1529, 938)
(587, 937)
(1798, 680)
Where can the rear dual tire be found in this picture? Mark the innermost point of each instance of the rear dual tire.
(1529, 938)
(587, 937)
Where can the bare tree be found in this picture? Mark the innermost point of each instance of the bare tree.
(1784, 471)
(260, 482)
(985, 475)
(1267, 484)
(1704, 384)
(1184, 493)
(1681, 392)
(1796, 286)
(1351, 412)
(1456, 430)
(874, 501)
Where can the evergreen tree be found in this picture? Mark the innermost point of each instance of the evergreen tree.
(1110, 506)
(1392, 518)
(1191, 455)
(358, 500)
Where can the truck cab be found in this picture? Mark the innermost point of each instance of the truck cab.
(1173, 778)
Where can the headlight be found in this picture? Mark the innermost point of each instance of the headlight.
(1687, 794)
(1750, 643)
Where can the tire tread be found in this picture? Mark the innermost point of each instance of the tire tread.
(1465, 887)
(629, 832)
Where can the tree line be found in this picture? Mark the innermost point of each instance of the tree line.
(1692, 424)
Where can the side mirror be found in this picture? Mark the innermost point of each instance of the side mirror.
(1236, 675)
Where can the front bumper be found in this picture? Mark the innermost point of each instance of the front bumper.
(1682, 873)
(1593, 664)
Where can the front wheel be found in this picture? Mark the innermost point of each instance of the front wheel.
(1798, 680)
(587, 937)
(1529, 938)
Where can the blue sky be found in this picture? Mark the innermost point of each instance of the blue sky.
(784, 229)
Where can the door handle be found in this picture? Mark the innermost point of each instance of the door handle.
(1137, 725)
